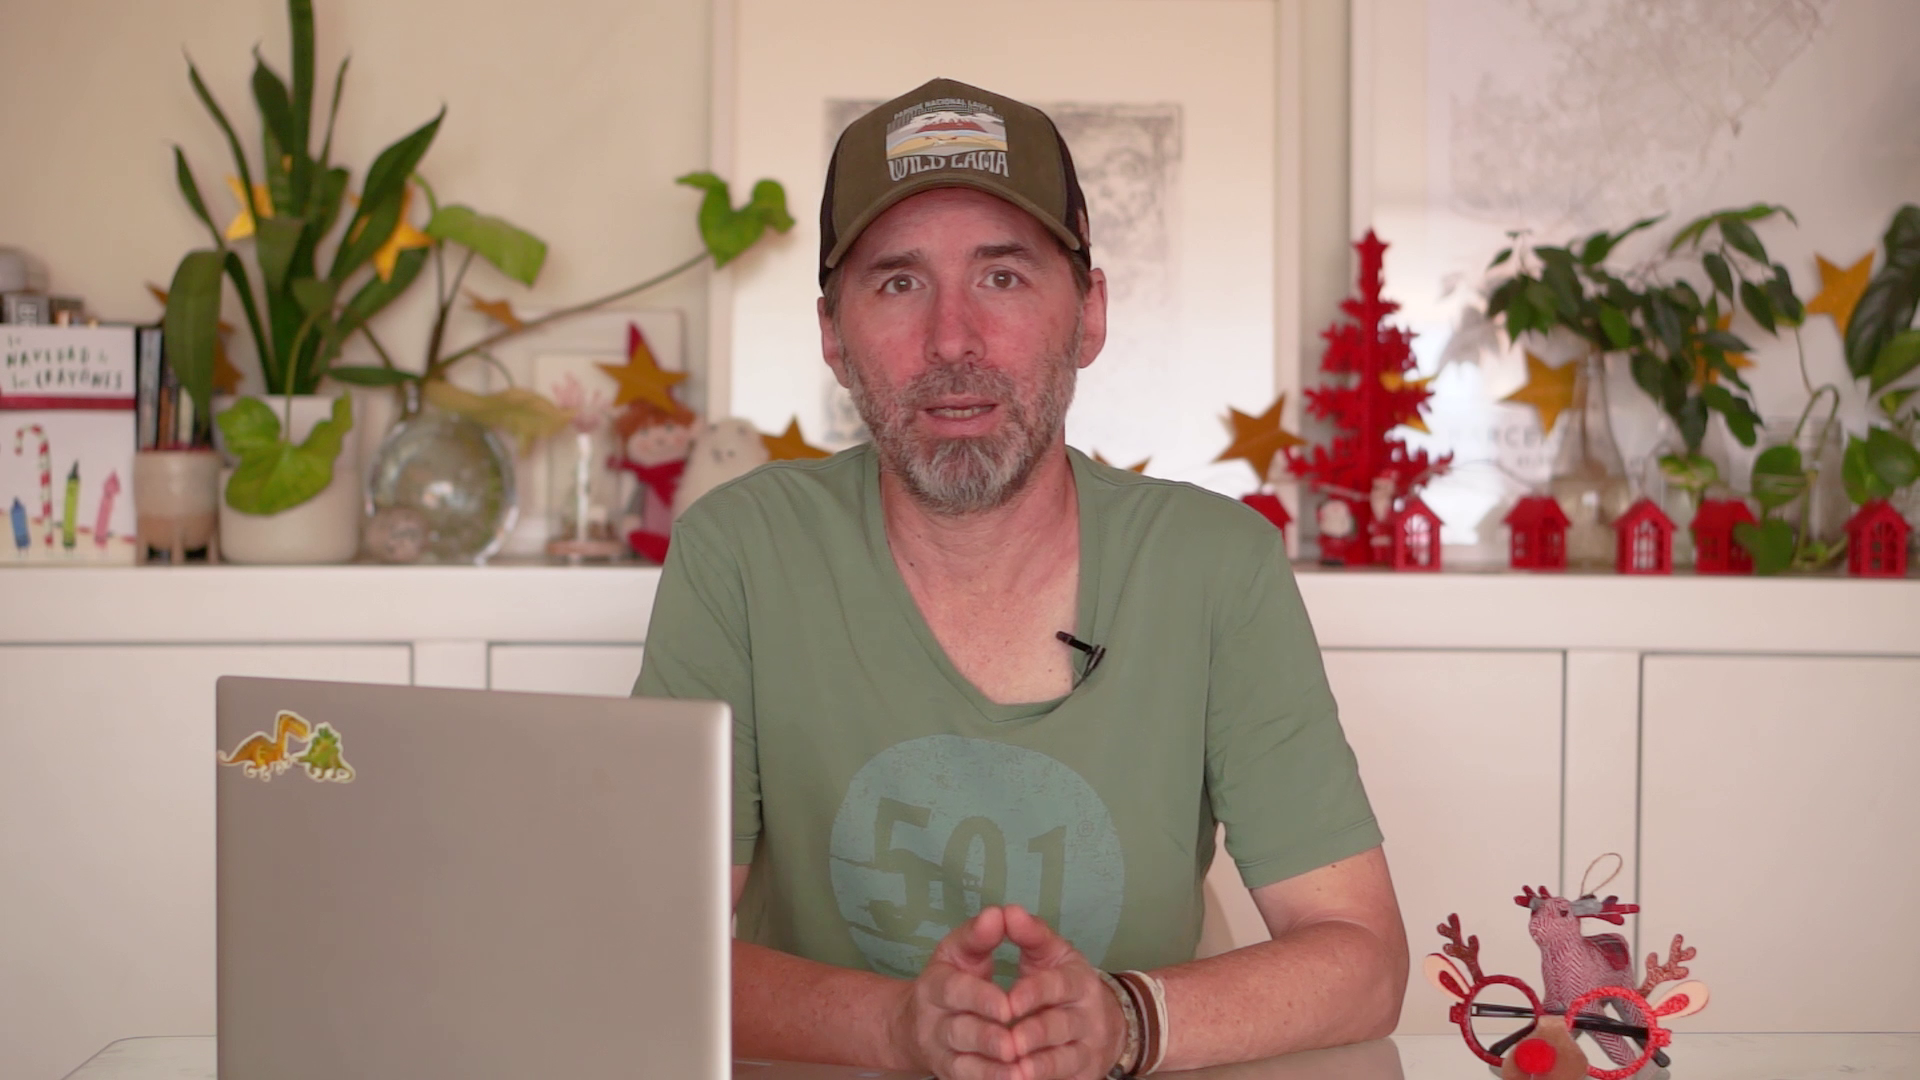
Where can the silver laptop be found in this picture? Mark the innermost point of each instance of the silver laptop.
(419, 883)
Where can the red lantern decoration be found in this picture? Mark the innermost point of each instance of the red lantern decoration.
(1877, 541)
(1645, 540)
(1539, 534)
(1416, 536)
(1714, 548)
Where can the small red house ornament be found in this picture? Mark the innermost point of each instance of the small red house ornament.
(1877, 541)
(1416, 536)
(1714, 549)
(1539, 534)
(1645, 540)
(1271, 508)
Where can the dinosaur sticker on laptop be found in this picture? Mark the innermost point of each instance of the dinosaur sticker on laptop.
(262, 756)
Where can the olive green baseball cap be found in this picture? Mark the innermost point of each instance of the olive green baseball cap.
(948, 134)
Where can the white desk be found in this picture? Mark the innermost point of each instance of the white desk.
(1404, 1057)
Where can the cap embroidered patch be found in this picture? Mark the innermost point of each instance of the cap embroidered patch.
(262, 756)
(946, 133)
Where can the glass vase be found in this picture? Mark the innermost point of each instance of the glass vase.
(1589, 480)
(450, 476)
(582, 496)
(1819, 518)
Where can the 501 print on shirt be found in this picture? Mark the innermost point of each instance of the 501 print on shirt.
(933, 829)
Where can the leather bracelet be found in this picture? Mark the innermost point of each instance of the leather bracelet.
(1150, 996)
(1125, 1068)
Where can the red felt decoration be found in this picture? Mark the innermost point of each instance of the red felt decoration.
(1416, 536)
(1368, 397)
(1535, 1057)
(1539, 534)
(1272, 509)
(1877, 541)
(1714, 549)
(1645, 540)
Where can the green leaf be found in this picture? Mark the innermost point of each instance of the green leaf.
(1757, 305)
(250, 426)
(1693, 472)
(1649, 374)
(1643, 223)
(1519, 315)
(279, 182)
(1887, 306)
(300, 29)
(381, 198)
(1666, 322)
(1787, 306)
(1724, 341)
(377, 294)
(1504, 254)
(233, 141)
(276, 476)
(1778, 477)
(191, 327)
(1740, 236)
(333, 113)
(1759, 212)
(1741, 418)
(371, 376)
(323, 206)
(1899, 356)
(1503, 294)
(1691, 419)
(1893, 459)
(1856, 473)
(275, 241)
(1595, 250)
(1717, 270)
(514, 251)
(728, 232)
(1769, 542)
(314, 295)
(1690, 234)
(1619, 332)
(276, 112)
(190, 190)
(1566, 290)
(1890, 403)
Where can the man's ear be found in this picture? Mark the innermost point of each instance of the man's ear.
(1093, 319)
(830, 341)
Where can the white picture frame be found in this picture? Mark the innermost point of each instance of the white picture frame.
(1227, 69)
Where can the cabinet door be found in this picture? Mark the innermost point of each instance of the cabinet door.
(1460, 752)
(1778, 818)
(107, 837)
(607, 670)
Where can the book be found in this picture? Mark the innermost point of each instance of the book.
(67, 438)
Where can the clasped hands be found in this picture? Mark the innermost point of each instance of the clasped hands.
(1058, 1022)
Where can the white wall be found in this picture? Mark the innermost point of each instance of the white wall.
(570, 118)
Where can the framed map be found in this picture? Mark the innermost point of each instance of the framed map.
(1475, 117)
(1169, 109)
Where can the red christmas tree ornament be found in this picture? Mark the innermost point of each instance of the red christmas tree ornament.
(1538, 538)
(1645, 538)
(1877, 541)
(1416, 536)
(1368, 396)
(1714, 549)
(1272, 509)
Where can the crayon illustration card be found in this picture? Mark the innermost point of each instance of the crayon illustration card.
(66, 445)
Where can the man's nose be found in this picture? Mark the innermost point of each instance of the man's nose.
(955, 334)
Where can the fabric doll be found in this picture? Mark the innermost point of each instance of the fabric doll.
(653, 447)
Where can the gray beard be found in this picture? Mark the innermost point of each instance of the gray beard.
(955, 477)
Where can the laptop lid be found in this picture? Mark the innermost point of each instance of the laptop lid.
(418, 882)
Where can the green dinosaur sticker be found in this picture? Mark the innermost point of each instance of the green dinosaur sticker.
(323, 759)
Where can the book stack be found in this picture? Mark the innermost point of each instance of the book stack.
(68, 398)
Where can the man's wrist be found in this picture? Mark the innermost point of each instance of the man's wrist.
(1148, 998)
(1128, 1059)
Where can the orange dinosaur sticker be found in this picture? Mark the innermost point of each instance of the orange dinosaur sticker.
(262, 756)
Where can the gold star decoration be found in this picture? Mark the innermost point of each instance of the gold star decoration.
(498, 310)
(1704, 373)
(1548, 389)
(226, 377)
(241, 226)
(1140, 468)
(790, 445)
(1256, 439)
(640, 378)
(1840, 290)
(404, 236)
(1393, 380)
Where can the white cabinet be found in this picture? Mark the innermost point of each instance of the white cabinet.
(607, 670)
(107, 838)
(1780, 832)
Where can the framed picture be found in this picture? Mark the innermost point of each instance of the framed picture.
(1474, 118)
(1169, 108)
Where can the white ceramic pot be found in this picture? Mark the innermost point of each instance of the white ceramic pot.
(325, 528)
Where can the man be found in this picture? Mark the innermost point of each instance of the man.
(991, 698)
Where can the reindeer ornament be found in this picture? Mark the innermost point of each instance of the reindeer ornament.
(1588, 981)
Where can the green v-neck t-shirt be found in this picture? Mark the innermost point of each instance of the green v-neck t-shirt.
(881, 800)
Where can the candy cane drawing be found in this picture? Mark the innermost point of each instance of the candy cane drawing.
(46, 475)
(107, 492)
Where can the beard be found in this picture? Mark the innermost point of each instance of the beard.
(969, 474)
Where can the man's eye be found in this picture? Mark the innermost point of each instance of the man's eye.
(1003, 279)
(900, 284)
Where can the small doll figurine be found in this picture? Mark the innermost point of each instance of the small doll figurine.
(653, 447)
(721, 452)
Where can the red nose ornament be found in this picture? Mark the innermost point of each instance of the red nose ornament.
(1549, 1054)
